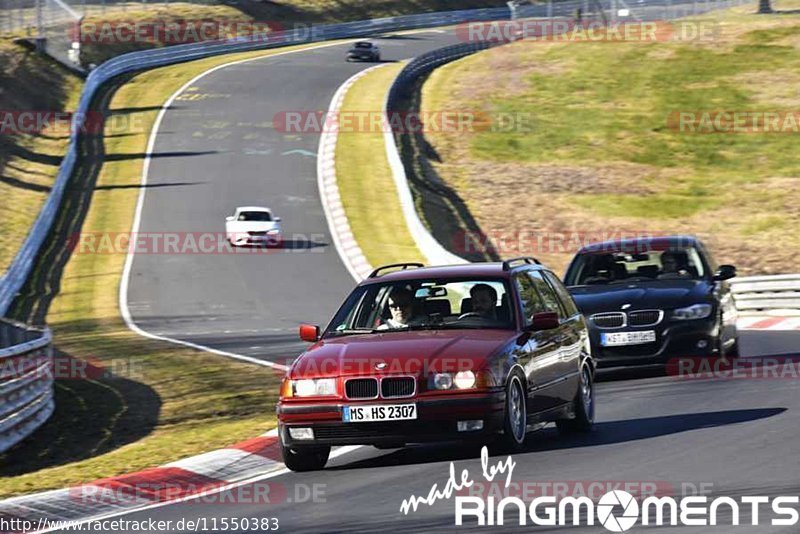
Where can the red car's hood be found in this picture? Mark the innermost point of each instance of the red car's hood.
(410, 353)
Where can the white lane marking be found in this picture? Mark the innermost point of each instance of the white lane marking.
(343, 240)
(137, 218)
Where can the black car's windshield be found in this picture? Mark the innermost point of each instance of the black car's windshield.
(425, 305)
(621, 267)
(363, 45)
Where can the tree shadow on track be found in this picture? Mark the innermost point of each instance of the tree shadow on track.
(35, 297)
(605, 433)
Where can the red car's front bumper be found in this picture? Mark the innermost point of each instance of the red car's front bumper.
(437, 418)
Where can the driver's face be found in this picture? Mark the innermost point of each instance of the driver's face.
(483, 303)
(400, 309)
(669, 264)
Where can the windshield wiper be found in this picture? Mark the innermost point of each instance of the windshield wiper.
(354, 331)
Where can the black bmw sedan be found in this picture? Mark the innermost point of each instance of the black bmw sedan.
(648, 300)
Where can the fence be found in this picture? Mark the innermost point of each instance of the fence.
(779, 294)
(620, 10)
(26, 381)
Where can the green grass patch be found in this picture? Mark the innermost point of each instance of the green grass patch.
(365, 180)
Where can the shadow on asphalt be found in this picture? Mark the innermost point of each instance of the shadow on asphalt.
(605, 433)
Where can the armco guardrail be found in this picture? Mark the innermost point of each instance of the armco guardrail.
(26, 381)
(778, 294)
(21, 267)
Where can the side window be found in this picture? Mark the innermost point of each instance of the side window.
(563, 294)
(531, 301)
(548, 295)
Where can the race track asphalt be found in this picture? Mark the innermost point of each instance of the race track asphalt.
(216, 149)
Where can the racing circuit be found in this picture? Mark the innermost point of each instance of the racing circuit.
(738, 437)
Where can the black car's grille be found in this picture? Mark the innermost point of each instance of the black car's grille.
(394, 387)
(644, 317)
(361, 388)
(609, 320)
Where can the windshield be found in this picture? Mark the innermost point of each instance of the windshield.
(620, 267)
(255, 216)
(363, 45)
(425, 305)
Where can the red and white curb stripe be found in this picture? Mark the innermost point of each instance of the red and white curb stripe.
(199, 476)
(343, 238)
(768, 323)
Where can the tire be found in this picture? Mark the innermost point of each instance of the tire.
(515, 415)
(305, 458)
(733, 352)
(582, 406)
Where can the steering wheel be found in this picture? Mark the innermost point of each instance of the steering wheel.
(468, 314)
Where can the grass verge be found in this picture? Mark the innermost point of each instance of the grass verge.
(601, 155)
(368, 191)
(165, 402)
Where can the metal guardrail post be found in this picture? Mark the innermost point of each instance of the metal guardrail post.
(777, 294)
(26, 381)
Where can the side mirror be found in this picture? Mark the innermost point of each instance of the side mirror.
(544, 321)
(309, 332)
(230, 218)
(725, 272)
(277, 219)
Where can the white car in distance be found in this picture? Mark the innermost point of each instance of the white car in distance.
(253, 225)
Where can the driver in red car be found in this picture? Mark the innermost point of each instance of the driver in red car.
(401, 306)
(484, 300)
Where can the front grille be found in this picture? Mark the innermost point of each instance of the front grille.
(644, 317)
(609, 320)
(257, 234)
(361, 388)
(395, 387)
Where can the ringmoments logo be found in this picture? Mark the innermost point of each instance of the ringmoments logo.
(620, 511)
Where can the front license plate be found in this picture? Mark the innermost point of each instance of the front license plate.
(379, 412)
(615, 339)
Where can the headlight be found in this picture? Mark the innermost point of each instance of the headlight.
(461, 380)
(465, 380)
(315, 388)
(696, 311)
(442, 381)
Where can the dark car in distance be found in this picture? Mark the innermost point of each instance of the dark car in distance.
(364, 51)
(649, 300)
(459, 352)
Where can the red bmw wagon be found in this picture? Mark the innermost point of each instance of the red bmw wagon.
(479, 351)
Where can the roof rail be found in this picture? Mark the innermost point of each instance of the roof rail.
(530, 260)
(404, 266)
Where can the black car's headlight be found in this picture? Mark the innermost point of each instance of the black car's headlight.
(695, 311)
